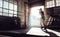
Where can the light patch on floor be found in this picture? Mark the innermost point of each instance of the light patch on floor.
(37, 31)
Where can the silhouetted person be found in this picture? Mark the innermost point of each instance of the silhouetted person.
(43, 26)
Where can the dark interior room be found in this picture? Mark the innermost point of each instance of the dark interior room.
(29, 18)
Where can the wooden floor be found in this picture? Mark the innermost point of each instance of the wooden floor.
(32, 32)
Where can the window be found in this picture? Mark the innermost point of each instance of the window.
(0, 3)
(50, 4)
(57, 2)
(9, 8)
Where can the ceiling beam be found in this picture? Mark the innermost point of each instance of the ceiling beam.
(37, 1)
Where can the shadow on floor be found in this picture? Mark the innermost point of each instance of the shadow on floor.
(52, 34)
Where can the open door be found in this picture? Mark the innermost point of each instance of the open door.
(35, 17)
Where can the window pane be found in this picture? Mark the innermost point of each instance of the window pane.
(0, 9)
(5, 4)
(52, 4)
(11, 15)
(11, 6)
(10, 12)
(15, 7)
(15, 15)
(0, 3)
(5, 14)
(15, 12)
(5, 11)
(47, 4)
(0, 13)
(57, 2)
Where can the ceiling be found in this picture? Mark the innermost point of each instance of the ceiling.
(33, 1)
(25, 0)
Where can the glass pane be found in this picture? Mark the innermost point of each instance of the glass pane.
(11, 6)
(5, 14)
(47, 4)
(0, 9)
(5, 11)
(15, 15)
(5, 4)
(15, 7)
(15, 12)
(0, 13)
(0, 3)
(57, 2)
(11, 15)
(52, 3)
(11, 12)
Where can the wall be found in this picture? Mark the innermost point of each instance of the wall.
(23, 11)
(26, 14)
(36, 4)
(53, 12)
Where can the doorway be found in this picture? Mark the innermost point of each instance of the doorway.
(35, 17)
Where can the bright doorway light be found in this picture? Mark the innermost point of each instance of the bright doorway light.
(35, 17)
